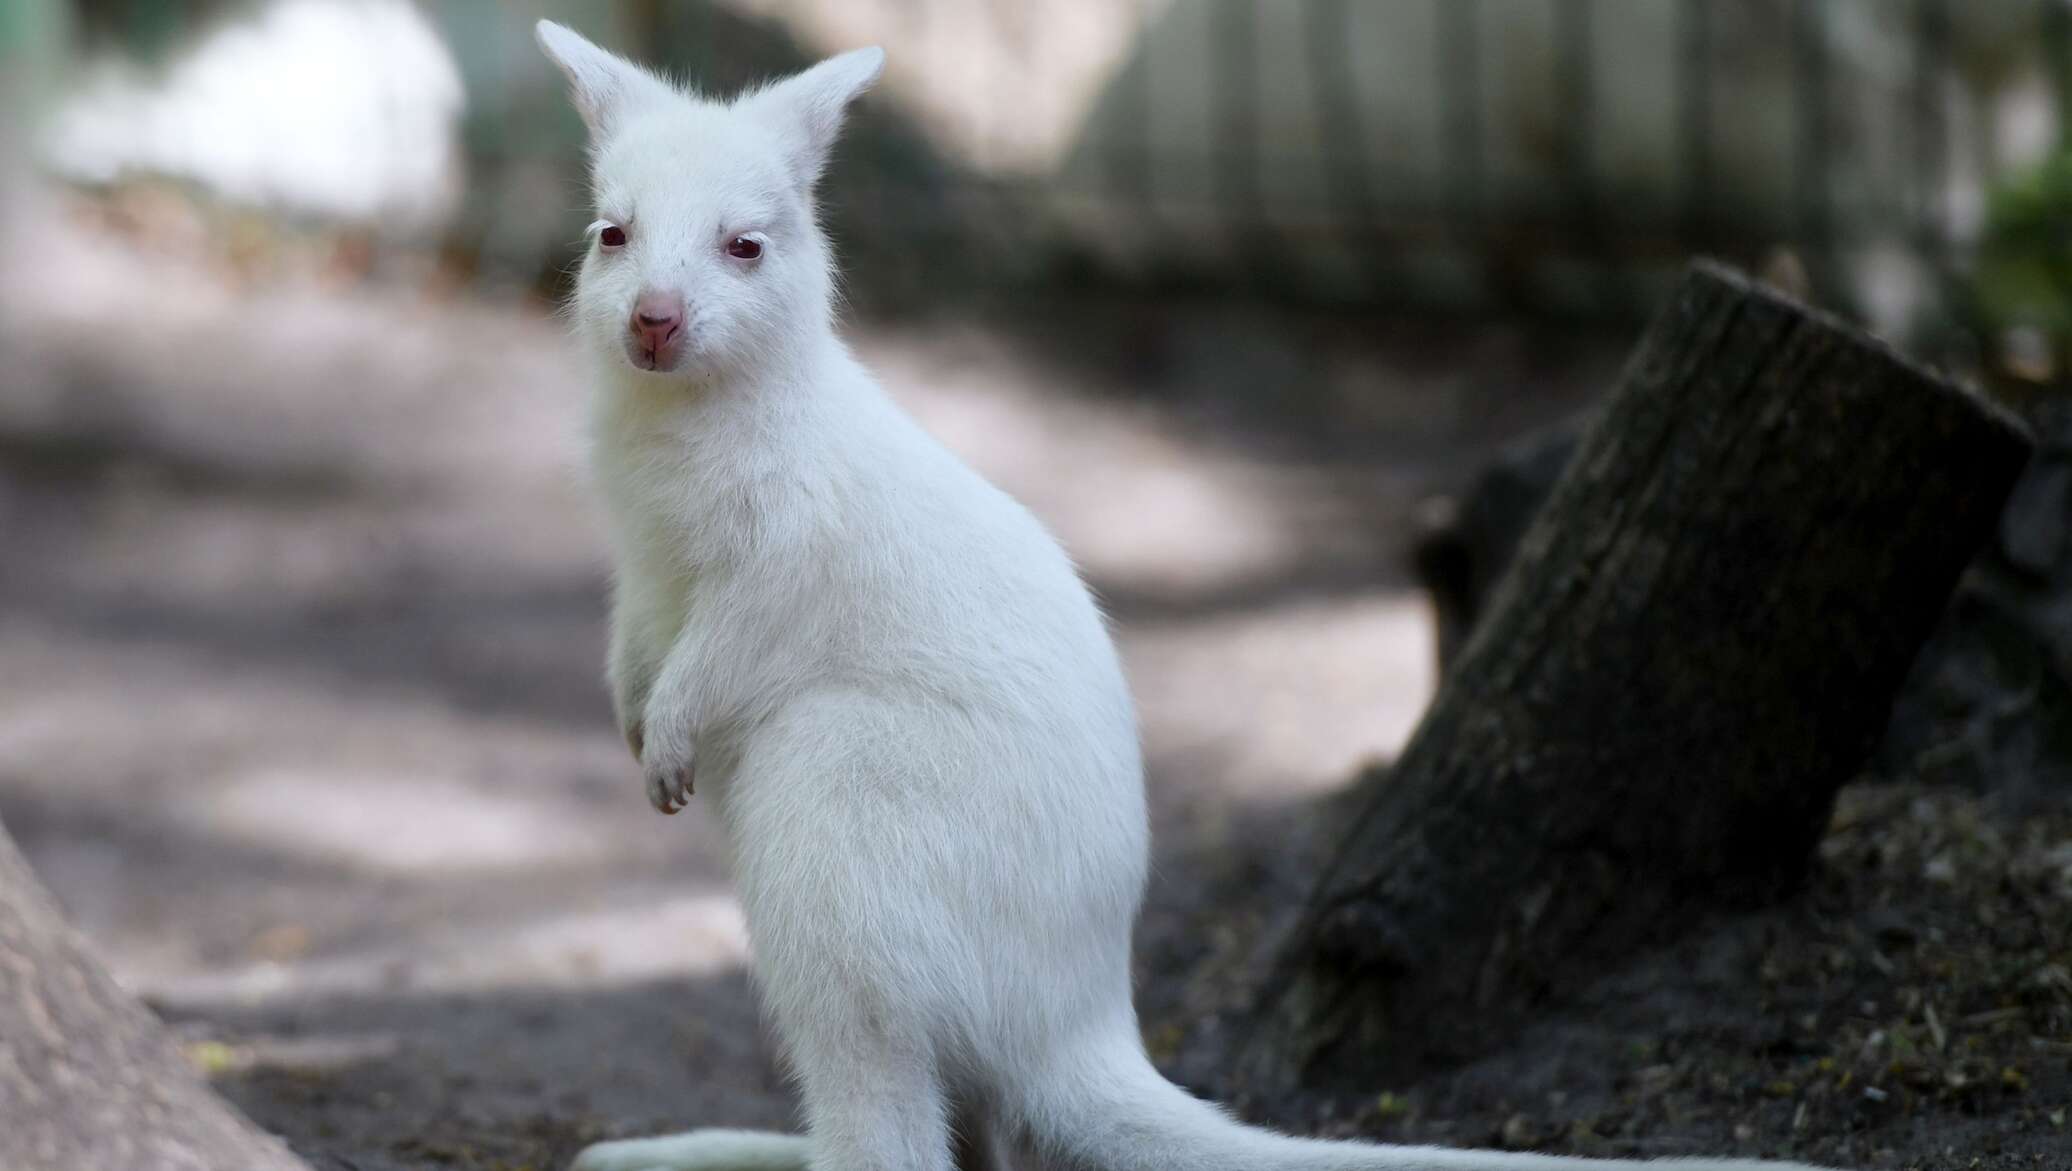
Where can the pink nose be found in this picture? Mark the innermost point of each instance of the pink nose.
(656, 319)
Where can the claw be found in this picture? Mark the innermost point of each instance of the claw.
(670, 791)
(659, 795)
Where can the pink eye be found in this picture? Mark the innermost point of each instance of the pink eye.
(743, 248)
(613, 236)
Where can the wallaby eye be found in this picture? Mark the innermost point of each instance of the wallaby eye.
(613, 236)
(744, 248)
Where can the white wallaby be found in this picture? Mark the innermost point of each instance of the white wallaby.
(885, 677)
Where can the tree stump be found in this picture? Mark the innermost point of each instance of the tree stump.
(88, 1077)
(1988, 702)
(1698, 642)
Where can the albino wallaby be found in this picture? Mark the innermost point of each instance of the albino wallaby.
(885, 677)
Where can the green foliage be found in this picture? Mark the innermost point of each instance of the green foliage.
(2023, 276)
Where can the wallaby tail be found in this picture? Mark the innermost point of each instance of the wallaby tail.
(1111, 1111)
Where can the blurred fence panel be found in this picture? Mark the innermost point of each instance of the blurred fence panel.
(1550, 150)
(1552, 154)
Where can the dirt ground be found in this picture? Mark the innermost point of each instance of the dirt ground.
(301, 720)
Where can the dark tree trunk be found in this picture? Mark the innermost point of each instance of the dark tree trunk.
(1698, 641)
(1988, 703)
(88, 1078)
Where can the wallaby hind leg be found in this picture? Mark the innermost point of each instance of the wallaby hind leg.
(700, 1150)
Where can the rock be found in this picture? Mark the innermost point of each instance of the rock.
(88, 1077)
(1518, 1133)
(1989, 702)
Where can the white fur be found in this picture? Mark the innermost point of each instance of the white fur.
(887, 681)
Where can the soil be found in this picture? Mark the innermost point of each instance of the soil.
(1910, 1009)
(301, 720)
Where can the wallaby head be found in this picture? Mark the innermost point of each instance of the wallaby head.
(705, 259)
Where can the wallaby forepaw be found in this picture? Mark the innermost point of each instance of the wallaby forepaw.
(669, 779)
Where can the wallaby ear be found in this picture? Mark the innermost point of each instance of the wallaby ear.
(806, 109)
(602, 84)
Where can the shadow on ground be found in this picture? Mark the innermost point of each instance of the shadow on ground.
(301, 721)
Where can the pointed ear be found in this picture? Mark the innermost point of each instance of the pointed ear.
(806, 110)
(602, 84)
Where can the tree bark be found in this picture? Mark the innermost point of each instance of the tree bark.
(1697, 643)
(88, 1077)
(1987, 704)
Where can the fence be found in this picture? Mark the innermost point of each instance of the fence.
(1559, 154)
(1881, 142)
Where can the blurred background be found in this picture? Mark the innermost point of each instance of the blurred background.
(1551, 156)
(301, 597)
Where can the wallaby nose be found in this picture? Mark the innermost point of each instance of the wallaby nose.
(656, 318)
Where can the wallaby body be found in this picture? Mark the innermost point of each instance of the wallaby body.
(883, 674)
